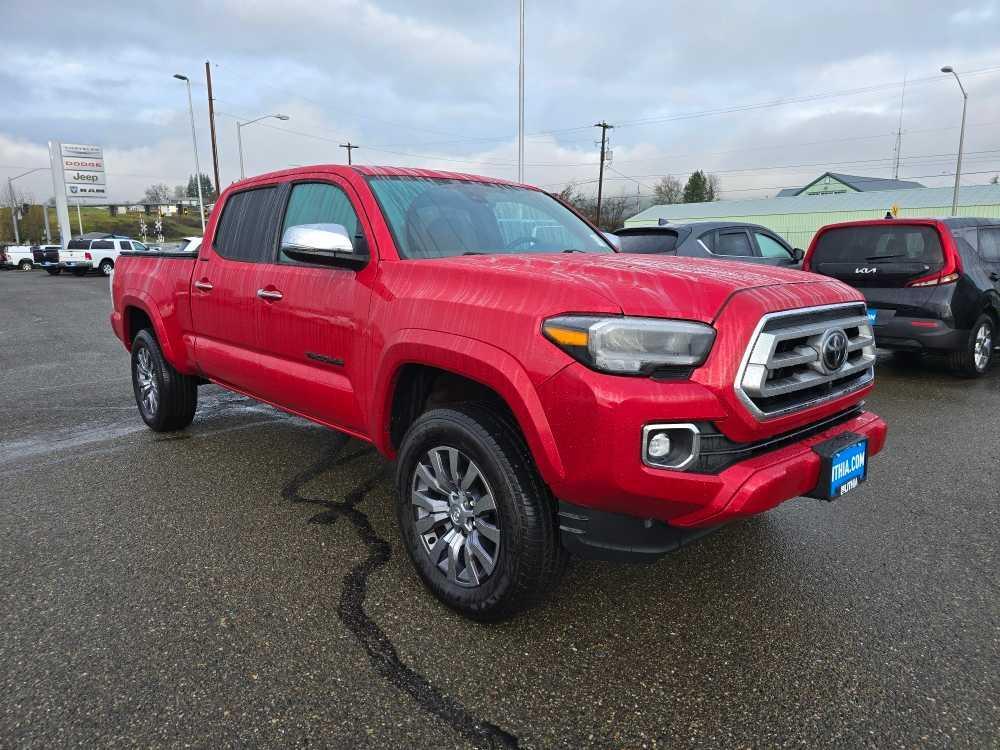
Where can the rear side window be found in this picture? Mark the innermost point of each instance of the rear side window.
(877, 244)
(735, 244)
(78, 245)
(989, 244)
(103, 245)
(246, 228)
(124, 245)
(649, 242)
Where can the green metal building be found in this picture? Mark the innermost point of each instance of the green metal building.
(796, 218)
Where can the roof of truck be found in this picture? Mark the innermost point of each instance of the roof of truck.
(379, 171)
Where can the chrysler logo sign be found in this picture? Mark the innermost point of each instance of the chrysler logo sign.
(833, 350)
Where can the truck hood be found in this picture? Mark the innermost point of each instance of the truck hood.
(644, 285)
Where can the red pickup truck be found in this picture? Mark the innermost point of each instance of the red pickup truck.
(540, 393)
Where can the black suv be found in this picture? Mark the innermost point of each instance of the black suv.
(932, 285)
(750, 243)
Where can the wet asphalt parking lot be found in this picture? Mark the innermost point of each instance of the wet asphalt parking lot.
(241, 583)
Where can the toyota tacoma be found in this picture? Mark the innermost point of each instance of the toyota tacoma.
(539, 393)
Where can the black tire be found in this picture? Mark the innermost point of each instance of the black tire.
(176, 394)
(965, 362)
(106, 267)
(53, 271)
(25, 265)
(531, 558)
(79, 272)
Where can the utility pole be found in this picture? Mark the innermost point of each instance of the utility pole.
(13, 209)
(211, 123)
(350, 147)
(899, 131)
(600, 175)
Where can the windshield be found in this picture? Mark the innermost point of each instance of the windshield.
(439, 218)
(897, 243)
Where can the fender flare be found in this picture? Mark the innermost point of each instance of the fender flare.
(167, 336)
(475, 360)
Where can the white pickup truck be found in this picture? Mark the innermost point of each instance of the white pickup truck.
(19, 257)
(96, 253)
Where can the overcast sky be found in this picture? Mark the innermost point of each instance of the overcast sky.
(433, 83)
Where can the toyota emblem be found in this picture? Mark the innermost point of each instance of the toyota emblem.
(833, 350)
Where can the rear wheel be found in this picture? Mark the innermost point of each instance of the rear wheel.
(977, 356)
(106, 267)
(166, 399)
(53, 271)
(477, 521)
(24, 265)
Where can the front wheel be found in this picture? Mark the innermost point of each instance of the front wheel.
(24, 265)
(977, 356)
(476, 520)
(166, 399)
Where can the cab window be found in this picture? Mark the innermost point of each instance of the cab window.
(318, 203)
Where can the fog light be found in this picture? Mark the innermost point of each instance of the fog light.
(670, 446)
(659, 445)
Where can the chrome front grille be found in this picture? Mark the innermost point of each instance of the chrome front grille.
(800, 358)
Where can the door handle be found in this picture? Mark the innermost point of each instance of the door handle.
(271, 295)
(205, 286)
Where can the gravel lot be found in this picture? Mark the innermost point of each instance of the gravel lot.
(242, 583)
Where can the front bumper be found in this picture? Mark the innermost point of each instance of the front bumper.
(597, 420)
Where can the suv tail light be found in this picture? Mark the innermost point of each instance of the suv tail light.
(952, 267)
(88, 256)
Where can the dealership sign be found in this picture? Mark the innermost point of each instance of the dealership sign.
(81, 169)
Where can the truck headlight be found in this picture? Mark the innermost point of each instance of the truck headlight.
(630, 346)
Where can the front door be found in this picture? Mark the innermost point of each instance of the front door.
(224, 302)
(772, 251)
(313, 318)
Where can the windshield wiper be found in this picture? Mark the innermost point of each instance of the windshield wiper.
(474, 252)
(885, 257)
(573, 250)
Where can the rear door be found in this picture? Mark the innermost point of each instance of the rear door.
(880, 260)
(224, 303)
(733, 243)
(313, 318)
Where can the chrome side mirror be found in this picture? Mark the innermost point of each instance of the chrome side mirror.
(325, 244)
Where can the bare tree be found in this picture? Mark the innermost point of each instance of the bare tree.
(714, 188)
(668, 190)
(995, 180)
(613, 211)
(158, 193)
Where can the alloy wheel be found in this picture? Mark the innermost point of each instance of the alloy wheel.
(148, 391)
(455, 516)
(983, 346)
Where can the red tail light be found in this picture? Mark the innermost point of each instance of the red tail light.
(952, 267)
(87, 256)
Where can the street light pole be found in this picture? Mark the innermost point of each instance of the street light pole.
(520, 94)
(961, 138)
(194, 140)
(239, 136)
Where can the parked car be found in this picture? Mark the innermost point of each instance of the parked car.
(540, 393)
(17, 256)
(750, 243)
(183, 245)
(96, 252)
(932, 285)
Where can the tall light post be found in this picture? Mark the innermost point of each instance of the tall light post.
(194, 140)
(13, 206)
(961, 138)
(520, 93)
(239, 135)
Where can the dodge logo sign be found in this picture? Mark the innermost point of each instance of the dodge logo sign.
(833, 350)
